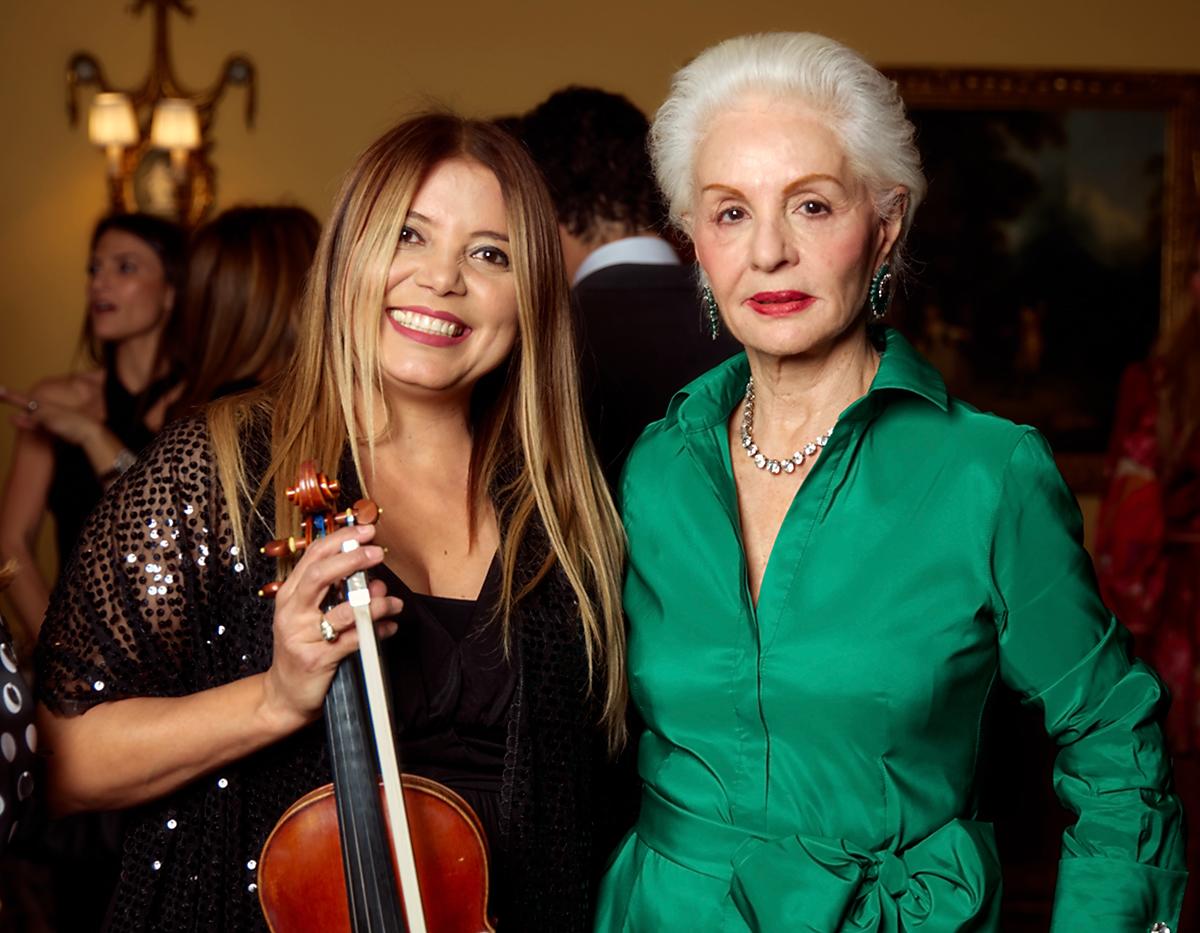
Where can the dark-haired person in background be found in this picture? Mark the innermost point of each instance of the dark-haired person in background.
(77, 433)
(80, 430)
(1148, 534)
(642, 329)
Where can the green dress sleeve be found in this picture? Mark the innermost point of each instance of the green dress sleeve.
(1122, 866)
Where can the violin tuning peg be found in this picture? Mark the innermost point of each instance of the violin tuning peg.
(366, 512)
(269, 591)
(281, 546)
(363, 512)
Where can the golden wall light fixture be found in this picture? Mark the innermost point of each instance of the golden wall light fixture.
(156, 135)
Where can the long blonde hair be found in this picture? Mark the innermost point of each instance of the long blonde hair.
(526, 414)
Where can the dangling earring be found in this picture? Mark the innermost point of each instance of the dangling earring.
(879, 296)
(710, 308)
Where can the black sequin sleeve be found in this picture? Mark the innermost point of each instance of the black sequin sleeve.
(135, 603)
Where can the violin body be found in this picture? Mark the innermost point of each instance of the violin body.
(302, 885)
(348, 856)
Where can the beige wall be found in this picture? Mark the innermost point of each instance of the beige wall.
(332, 75)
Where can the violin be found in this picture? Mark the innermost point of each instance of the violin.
(412, 853)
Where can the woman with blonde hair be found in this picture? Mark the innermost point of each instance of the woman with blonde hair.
(832, 563)
(434, 371)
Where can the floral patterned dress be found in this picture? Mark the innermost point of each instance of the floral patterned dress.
(1148, 549)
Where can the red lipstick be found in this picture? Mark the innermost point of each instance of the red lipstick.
(778, 304)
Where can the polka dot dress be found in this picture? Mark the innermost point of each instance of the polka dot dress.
(18, 741)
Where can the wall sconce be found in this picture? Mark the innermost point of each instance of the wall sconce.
(113, 125)
(155, 136)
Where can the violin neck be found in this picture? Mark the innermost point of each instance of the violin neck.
(366, 850)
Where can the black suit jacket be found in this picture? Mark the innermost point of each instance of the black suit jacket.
(643, 336)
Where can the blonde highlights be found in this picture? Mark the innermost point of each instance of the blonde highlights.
(530, 451)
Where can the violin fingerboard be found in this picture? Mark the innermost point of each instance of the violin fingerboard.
(375, 904)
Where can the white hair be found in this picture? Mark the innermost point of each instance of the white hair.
(864, 108)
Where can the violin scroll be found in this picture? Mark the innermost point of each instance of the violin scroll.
(314, 491)
(315, 495)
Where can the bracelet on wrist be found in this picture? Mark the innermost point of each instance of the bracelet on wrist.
(124, 459)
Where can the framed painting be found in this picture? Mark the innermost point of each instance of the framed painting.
(1055, 240)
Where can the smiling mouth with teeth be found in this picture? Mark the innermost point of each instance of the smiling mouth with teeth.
(413, 320)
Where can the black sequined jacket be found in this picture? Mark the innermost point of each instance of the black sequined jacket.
(158, 601)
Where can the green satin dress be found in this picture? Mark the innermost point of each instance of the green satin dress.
(809, 763)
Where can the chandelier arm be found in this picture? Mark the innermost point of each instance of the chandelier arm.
(162, 81)
(236, 70)
(82, 70)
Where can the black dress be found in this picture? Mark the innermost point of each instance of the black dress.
(159, 601)
(452, 688)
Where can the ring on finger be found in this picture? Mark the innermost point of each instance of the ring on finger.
(328, 632)
(32, 405)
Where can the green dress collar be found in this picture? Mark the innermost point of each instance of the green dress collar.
(709, 400)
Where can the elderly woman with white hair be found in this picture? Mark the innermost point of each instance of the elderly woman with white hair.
(814, 635)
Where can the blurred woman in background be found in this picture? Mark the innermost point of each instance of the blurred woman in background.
(246, 270)
(1148, 534)
(79, 431)
(1148, 539)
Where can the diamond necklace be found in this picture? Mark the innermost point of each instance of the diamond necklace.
(761, 460)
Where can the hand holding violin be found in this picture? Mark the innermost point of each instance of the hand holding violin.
(383, 852)
(305, 657)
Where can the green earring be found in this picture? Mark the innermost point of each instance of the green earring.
(880, 295)
(710, 308)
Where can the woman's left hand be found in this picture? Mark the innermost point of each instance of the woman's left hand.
(37, 411)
